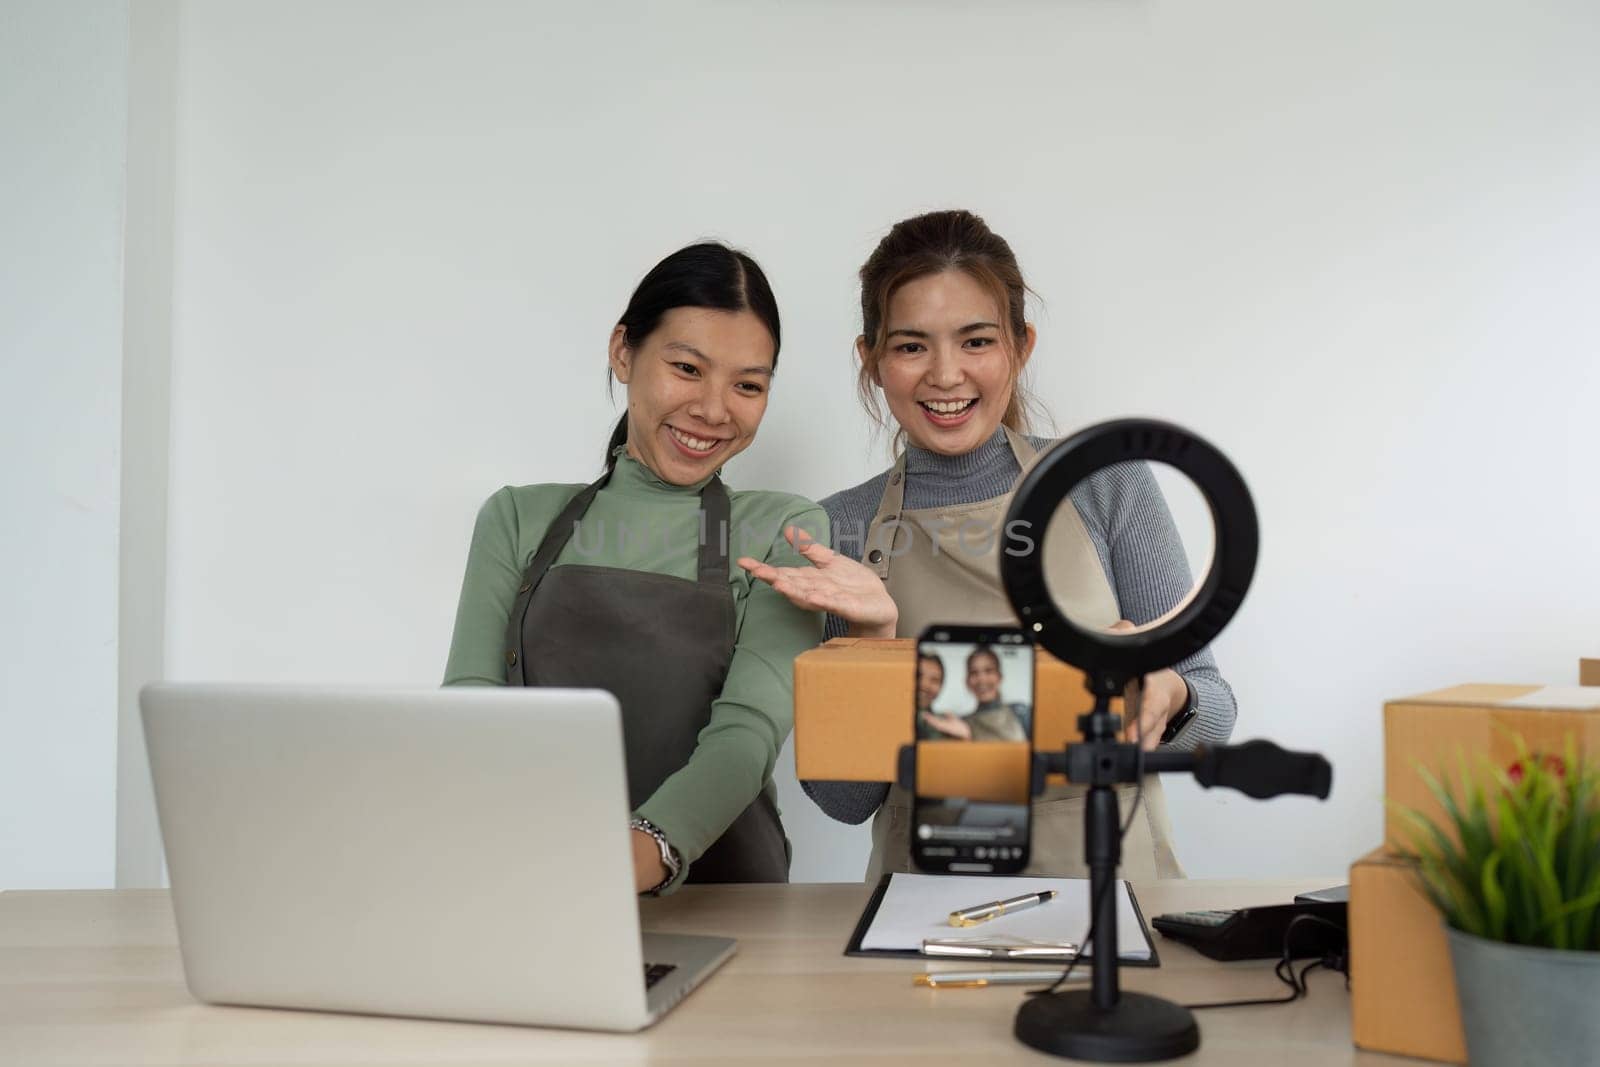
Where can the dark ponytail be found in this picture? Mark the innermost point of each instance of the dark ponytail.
(708, 275)
(619, 437)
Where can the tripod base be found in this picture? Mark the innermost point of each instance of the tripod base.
(1137, 1029)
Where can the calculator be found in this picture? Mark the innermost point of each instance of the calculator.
(1257, 933)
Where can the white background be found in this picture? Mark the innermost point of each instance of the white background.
(1355, 244)
(63, 117)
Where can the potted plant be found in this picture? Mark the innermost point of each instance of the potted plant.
(1515, 869)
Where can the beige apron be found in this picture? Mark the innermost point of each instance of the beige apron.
(943, 565)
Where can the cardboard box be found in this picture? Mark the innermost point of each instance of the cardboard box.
(1434, 730)
(1402, 985)
(853, 700)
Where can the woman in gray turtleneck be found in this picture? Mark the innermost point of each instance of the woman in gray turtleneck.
(944, 339)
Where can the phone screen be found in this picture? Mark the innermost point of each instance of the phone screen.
(974, 694)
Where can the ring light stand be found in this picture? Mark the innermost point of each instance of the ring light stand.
(1100, 1023)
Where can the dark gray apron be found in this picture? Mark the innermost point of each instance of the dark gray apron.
(661, 645)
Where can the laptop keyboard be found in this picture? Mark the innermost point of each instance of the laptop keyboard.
(654, 972)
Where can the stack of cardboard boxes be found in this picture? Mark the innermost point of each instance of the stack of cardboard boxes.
(1402, 985)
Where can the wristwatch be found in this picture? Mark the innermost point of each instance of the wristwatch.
(1176, 724)
(669, 855)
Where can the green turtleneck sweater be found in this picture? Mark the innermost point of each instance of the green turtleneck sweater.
(638, 522)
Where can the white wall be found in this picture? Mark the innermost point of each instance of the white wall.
(1355, 244)
(146, 420)
(63, 100)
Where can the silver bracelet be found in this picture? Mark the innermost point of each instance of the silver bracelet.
(669, 855)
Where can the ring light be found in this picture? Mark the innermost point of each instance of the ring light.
(1111, 660)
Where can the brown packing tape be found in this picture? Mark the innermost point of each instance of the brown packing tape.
(1435, 730)
(853, 707)
(996, 772)
(1402, 983)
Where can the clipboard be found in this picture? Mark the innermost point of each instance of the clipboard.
(870, 912)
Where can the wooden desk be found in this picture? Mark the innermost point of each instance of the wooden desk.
(94, 978)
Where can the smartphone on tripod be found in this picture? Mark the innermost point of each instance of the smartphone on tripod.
(973, 713)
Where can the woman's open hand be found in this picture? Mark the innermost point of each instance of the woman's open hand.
(949, 725)
(832, 583)
(1159, 696)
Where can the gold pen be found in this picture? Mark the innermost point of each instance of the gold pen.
(1000, 949)
(980, 979)
(996, 908)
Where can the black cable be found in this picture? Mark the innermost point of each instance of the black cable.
(1138, 769)
(1285, 969)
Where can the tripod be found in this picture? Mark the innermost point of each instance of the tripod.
(1102, 1023)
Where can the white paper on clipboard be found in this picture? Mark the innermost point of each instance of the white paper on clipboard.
(916, 908)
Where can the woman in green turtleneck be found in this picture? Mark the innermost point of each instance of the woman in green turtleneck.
(627, 585)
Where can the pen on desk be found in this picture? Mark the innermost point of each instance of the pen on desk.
(996, 908)
(993, 950)
(979, 979)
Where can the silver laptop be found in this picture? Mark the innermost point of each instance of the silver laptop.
(455, 854)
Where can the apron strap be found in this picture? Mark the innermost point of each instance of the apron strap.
(886, 522)
(715, 533)
(1021, 448)
(712, 567)
(555, 539)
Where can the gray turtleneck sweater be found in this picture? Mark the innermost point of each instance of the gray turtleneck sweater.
(1132, 531)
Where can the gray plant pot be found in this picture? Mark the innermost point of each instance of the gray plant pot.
(1526, 1007)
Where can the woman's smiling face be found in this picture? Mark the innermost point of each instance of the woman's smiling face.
(697, 389)
(946, 371)
(983, 677)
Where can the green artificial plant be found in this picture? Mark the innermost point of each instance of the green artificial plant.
(1524, 864)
